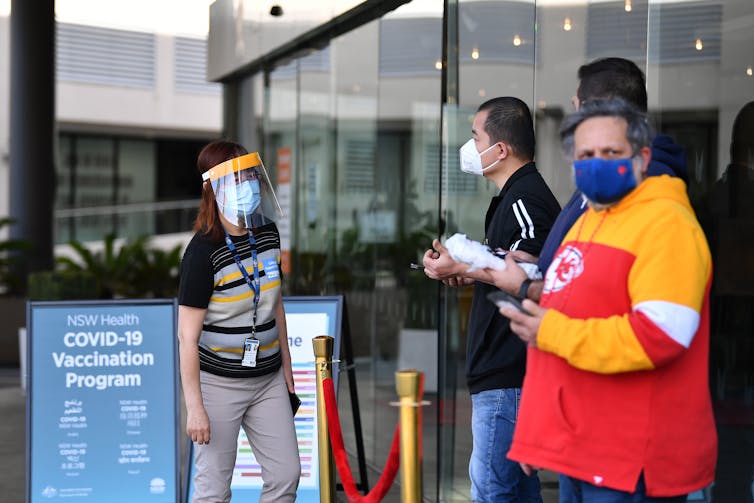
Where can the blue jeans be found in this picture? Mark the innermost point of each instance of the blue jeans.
(577, 491)
(495, 478)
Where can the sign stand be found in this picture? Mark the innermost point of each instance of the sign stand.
(306, 317)
(102, 401)
(350, 368)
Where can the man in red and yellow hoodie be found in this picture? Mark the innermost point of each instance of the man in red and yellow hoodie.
(616, 395)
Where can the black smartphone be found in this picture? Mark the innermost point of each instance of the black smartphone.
(295, 402)
(504, 299)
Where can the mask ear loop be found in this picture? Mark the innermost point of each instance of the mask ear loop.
(496, 160)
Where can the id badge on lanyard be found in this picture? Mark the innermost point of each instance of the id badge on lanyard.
(250, 349)
(251, 344)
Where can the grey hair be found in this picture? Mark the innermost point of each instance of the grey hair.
(639, 132)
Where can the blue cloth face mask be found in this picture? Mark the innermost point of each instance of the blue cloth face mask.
(248, 197)
(604, 181)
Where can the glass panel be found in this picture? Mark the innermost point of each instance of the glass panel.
(63, 231)
(493, 56)
(406, 193)
(243, 30)
(701, 91)
(95, 177)
(696, 56)
(281, 109)
(136, 184)
(373, 161)
(355, 265)
(315, 189)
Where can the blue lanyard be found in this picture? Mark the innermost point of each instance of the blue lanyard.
(254, 284)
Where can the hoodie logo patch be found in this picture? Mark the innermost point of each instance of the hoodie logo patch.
(567, 266)
(597, 480)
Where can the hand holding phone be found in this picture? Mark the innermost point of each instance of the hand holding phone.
(504, 299)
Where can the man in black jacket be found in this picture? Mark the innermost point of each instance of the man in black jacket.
(518, 218)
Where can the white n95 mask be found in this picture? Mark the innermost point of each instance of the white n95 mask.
(471, 160)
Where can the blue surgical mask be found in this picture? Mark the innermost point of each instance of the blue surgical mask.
(248, 197)
(604, 181)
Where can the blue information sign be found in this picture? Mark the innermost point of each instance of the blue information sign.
(102, 401)
(306, 318)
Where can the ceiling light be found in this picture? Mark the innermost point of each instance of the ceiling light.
(567, 24)
(627, 7)
(749, 72)
(438, 65)
(475, 53)
(516, 40)
(699, 46)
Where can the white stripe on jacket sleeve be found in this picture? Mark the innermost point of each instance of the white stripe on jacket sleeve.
(524, 220)
(679, 322)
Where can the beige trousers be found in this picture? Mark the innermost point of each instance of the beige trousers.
(259, 405)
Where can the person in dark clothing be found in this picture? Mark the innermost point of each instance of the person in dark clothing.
(518, 218)
(601, 79)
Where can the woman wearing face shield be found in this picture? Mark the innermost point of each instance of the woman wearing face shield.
(234, 358)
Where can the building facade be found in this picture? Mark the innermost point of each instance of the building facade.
(133, 108)
(358, 110)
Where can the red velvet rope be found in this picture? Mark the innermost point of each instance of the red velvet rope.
(341, 459)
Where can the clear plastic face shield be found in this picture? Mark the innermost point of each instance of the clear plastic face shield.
(243, 191)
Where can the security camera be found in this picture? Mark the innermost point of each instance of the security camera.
(276, 11)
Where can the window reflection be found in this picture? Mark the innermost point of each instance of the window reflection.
(373, 152)
(727, 213)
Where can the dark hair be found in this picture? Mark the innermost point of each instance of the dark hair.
(208, 220)
(509, 120)
(742, 136)
(638, 130)
(608, 78)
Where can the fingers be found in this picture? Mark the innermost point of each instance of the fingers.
(512, 263)
(437, 245)
(454, 281)
(201, 437)
(526, 469)
(524, 326)
(533, 308)
(197, 427)
(522, 256)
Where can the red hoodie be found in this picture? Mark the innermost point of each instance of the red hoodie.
(618, 384)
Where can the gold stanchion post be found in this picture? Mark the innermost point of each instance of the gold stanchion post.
(407, 384)
(323, 349)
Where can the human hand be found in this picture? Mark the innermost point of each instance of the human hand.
(522, 256)
(289, 380)
(510, 278)
(438, 264)
(528, 469)
(197, 426)
(458, 281)
(523, 325)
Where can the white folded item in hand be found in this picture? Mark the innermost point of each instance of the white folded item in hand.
(479, 256)
(474, 253)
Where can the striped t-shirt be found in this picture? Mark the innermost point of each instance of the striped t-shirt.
(211, 280)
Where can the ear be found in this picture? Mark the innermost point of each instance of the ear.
(503, 152)
(646, 156)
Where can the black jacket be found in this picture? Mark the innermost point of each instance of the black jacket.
(519, 218)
